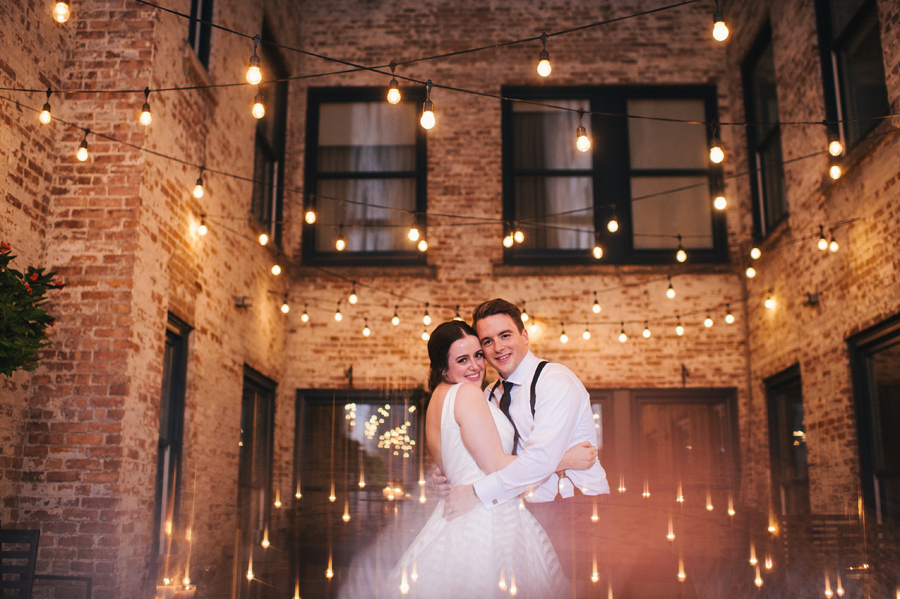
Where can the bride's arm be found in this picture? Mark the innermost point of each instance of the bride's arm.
(478, 429)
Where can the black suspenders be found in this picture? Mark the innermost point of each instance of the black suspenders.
(537, 373)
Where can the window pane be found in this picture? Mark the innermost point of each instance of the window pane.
(764, 95)
(841, 13)
(544, 138)
(375, 126)
(561, 206)
(367, 225)
(771, 180)
(661, 144)
(681, 208)
(864, 89)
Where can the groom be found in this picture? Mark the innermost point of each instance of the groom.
(561, 418)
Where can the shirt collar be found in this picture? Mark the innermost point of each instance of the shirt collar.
(523, 374)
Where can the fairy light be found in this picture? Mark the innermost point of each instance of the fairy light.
(276, 269)
(426, 318)
(758, 581)
(729, 317)
(563, 338)
(720, 30)
(596, 307)
(254, 75)
(339, 243)
(755, 253)
(822, 244)
(681, 573)
(508, 239)
(680, 254)
(709, 503)
(427, 121)
(679, 330)
(45, 117)
(835, 171)
(425, 335)
(595, 517)
(395, 319)
(198, 191)
(646, 493)
(285, 307)
(393, 95)
(839, 587)
(750, 272)
(597, 251)
(263, 239)
(524, 312)
(265, 541)
(413, 234)
(753, 560)
(202, 230)
(716, 153)
(828, 592)
(770, 301)
(769, 563)
(720, 203)
(543, 66)
(423, 245)
(61, 12)
(670, 535)
(250, 569)
(305, 316)
(82, 153)
(835, 147)
(582, 141)
(146, 116)
(708, 321)
(670, 292)
(586, 335)
(346, 516)
(613, 225)
(310, 216)
(730, 506)
(337, 313)
(353, 297)
(646, 332)
(366, 330)
(259, 109)
(622, 336)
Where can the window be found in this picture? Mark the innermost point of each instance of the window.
(200, 29)
(653, 176)
(764, 136)
(852, 66)
(171, 424)
(365, 176)
(268, 167)
(787, 443)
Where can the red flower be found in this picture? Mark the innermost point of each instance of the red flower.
(33, 276)
(28, 287)
(5, 248)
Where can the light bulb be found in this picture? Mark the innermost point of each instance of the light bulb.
(533, 327)
(755, 253)
(393, 95)
(259, 109)
(310, 217)
(427, 120)
(770, 302)
(822, 244)
(276, 269)
(353, 297)
(519, 236)
(426, 319)
(833, 245)
(285, 308)
(681, 255)
(646, 332)
(598, 252)
(413, 234)
(265, 543)
(596, 307)
(254, 75)
(835, 148)
(679, 330)
(508, 241)
(425, 335)
(622, 336)
(720, 202)
(202, 230)
(586, 335)
(395, 319)
(716, 154)
(82, 153)
(61, 12)
(198, 188)
(729, 317)
(340, 244)
(582, 141)
(337, 314)
(720, 30)
(543, 68)
(366, 332)
(613, 225)
(146, 117)
(750, 272)
(563, 338)
(670, 292)
(45, 116)
(524, 316)
(305, 316)
(835, 172)
(423, 245)
(708, 321)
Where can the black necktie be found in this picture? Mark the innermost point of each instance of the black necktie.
(505, 400)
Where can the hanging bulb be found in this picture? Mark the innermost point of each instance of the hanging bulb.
(720, 30)
(45, 116)
(729, 317)
(597, 251)
(524, 313)
(285, 307)
(670, 292)
(259, 109)
(596, 307)
(582, 141)
(822, 243)
(680, 255)
(613, 224)
(353, 297)
(835, 147)
(679, 330)
(833, 244)
(146, 117)
(425, 335)
(835, 172)
(82, 153)
(508, 240)
(563, 338)
(720, 203)
(518, 234)
(770, 301)
(622, 336)
(263, 239)
(750, 272)
(198, 186)
(586, 334)
(543, 67)
(755, 253)
(310, 217)
(426, 318)
(716, 153)
(254, 75)
(202, 230)
(708, 321)
(61, 12)
(366, 332)
(393, 95)
(340, 244)
(337, 313)
(533, 329)
(423, 245)
(646, 332)
(305, 316)
(427, 120)
(413, 233)
(395, 319)
(276, 269)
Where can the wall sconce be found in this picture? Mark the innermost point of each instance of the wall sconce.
(243, 301)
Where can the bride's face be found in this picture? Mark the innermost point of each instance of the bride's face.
(465, 361)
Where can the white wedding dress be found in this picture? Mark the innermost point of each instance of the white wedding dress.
(500, 552)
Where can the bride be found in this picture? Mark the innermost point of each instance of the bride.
(484, 553)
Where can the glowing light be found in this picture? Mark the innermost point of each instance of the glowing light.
(519, 236)
(709, 504)
(425, 335)
(681, 255)
(755, 253)
(45, 116)
(622, 336)
(750, 272)
(670, 292)
(833, 245)
(612, 225)
(305, 316)
(427, 121)
(716, 153)
(423, 245)
(346, 516)
(202, 230)
(720, 203)
(597, 252)
(835, 172)
(146, 116)
(340, 244)
(596, 307)
(646, 332)
(729, 317)
(337, 313)
(543, 67)
(679, 330)
(563, 338)
(82, 153)
(254, 75)
(285, 308)
(353, 298)
(276, 269)
(263, 239)
(395, 319)
(366, 330)
(681, 573)
(758, 581)
(310, 217)
(404, 585)
(835, 148)
(646, 493)
(586, 334)
(621, 483)
(753, 560)
(720, 30)
(828, 592)
(61, 12)
(413, 234)
(671, 534)
(393, 95)
(502, 583)
(822, 244)
(769, 563)
(770, 302)
(582, 141)
(595, 517)
(426, 318)
(259, 109)
(730, 506)
(508, 241)
(708, 321)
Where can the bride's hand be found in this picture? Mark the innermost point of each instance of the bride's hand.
(578, 457)
(460, 500)
(439, 482)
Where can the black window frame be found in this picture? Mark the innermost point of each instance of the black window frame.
(611, 171)
(267, 199)
(200, 29)
(412, 256)
(781, 389)
(834, 78)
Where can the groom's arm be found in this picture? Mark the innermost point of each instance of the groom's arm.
(559, 397)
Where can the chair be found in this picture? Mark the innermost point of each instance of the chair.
(18, 553)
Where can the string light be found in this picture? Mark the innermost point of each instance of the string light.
(582, 141)
(729, 317)
(305, 316)
(750, 272)
(508, 239)
(598, 249)
(310, 216)
(276, 269)
(202, 230)
(716, 153)
(563, 338)
(146, 117)
(395, 319)
(770, 301)
(366, 332)
(426, 318)
(427, 120)
(353, 297)
(198, 186)
(425, 335)
(720, 30)
(833, 244)
(543, 67)
(720, 203)
(613, 224)
(263, 239)
(835, 147)
(670, 292)
(679, 330)
(413, 234)
(285, 307)
(524, 312)
(82, 153)
(646, 332)
(337, 313)
(755, 253)
(835, 171)
(586, 335)
(423, 245)
(680, 255)
(259, 109)
(393, 95)
(254, 75)
(339, 243)
(596, 307)
(708, 321)
(45, 117)
(518, 234)
(61, 12)
(622, 336)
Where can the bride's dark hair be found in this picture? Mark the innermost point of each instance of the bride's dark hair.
(445, 335)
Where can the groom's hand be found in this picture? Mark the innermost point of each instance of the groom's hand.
(462, 498)
(440, 484)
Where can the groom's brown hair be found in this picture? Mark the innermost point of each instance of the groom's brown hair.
(498, 306)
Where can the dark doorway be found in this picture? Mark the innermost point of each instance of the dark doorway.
(787, 443)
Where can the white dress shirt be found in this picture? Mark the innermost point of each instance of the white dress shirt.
(562, 418)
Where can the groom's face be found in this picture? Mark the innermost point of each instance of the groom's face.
(503, 343)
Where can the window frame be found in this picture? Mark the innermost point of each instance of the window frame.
(611, 171)
(200, 29)
(410, 257)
